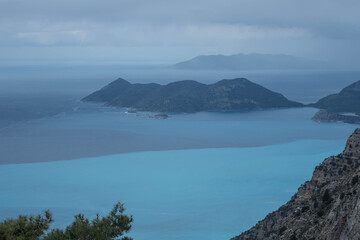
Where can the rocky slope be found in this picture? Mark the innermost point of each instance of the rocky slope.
(325, 208)
(190, 96)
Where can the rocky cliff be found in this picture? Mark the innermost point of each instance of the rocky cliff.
(327, 207)
(190, 96)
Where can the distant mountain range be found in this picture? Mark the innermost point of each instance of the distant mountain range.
(251, 62)
(334, 105)
(190, 96)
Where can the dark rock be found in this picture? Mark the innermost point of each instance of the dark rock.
(161, 116)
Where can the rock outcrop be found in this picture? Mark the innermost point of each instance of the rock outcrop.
(190, 96)
(325, 208)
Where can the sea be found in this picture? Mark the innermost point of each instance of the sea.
(206, 175)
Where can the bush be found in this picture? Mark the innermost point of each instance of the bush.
(25, 228)
(110, 227)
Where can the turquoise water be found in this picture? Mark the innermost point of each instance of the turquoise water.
(179, 194)
(206, 175)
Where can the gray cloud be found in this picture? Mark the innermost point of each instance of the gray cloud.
(170, 31)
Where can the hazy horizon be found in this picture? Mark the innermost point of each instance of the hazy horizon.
(167, 32)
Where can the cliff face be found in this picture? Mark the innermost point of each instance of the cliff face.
(190, 96)
(326, 207)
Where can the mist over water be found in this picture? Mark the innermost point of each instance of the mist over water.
(303, 86)
(35, 91)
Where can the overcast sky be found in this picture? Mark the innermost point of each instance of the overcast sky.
(168, 31)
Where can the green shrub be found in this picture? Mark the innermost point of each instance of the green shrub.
(110, 227)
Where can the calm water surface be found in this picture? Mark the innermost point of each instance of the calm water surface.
(233, 168)
(91, 130)
(192, 176)
(180, 194)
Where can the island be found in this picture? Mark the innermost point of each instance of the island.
(343, 106)
(254, 61)
(189, 96)
(326, 207)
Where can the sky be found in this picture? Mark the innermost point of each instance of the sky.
(169, 31)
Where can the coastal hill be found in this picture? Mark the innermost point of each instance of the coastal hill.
(250, 62)
(326, 207)
(190, 96)
(346, 101)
